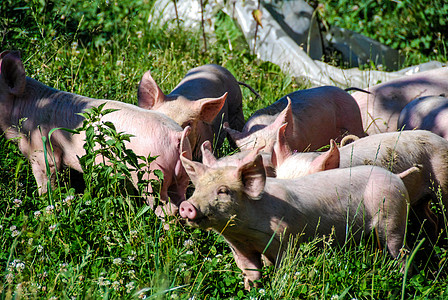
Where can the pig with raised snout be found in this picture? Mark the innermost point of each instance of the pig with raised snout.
(205, 98)
(395, 151)
(380, 109)
(428, 113)
(250, 209)
(314, 116)
(42, 108)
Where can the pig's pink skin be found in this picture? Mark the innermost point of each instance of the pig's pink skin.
(380, 109)
(314, 117)
(395, 151)
(32, 104)
(198, 101)
(428, 113)
(249, 208)
(209, 160)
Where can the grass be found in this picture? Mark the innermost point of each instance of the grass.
(103, 243)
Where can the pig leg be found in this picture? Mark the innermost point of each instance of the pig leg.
(249, 261)
(39, 168)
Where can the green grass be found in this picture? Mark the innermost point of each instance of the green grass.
(103, 243)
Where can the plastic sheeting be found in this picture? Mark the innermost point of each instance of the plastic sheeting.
(285, 39)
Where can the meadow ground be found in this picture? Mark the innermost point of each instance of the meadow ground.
(104, 243)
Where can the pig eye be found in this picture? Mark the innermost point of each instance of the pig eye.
(223, 191)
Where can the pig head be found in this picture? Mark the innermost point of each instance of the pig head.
(381, 108)
(205, 98)
(314, 116)
(30, 110)
(257, 215)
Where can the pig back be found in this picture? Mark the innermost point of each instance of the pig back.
(399, 151)
(381, 108)
(342, 197)
(212, 81)
(428, 113)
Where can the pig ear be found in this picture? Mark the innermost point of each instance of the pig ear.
(235, 135)
(281, 150)
(149, 94)
(13, 72)
(253, 177)
(285, 117)
(184, 148)
(193, 169)
(210, 107)
(327, 160)
(185, 143)
(208, 158)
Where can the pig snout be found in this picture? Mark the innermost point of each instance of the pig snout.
(187, 210)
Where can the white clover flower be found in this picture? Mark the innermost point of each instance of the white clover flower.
(49, 209)
(189, 252)
(103, 282)
(63, 267)
(131, 273)
(17, 202)
(13, 227)
(9, 277)
(88, 202)
(40, 248)
(52, 227)
(334, 297)
(37, 214)
(106, 238)
(30, 241)
(207, 259)
(15, 233)
(68, 200)
(116, 285)
(20, 266)
(262, 291)
(130, 286)
(117, 261)
(188, 243)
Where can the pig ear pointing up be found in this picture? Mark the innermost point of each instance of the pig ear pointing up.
(327, 160)
(210, 107)
(253, 177)
(13, 72)
(149, 94)
(193, 169)
(208, 158)
(281, 150)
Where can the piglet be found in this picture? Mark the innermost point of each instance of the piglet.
(205, 98)
(395, 151)
(257, 215)
(314, 116)
(30, 109)
(428, 113)
(380, 109)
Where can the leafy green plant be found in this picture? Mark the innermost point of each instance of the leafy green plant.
(417, 28)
